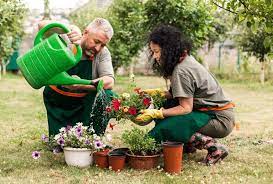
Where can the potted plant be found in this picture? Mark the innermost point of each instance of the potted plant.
(77, 143)
(101, 145)
(143, 150)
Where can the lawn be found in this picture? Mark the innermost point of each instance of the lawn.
(23, 120)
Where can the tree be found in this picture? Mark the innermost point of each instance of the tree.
(193, 18)
(257, 15)
(127, 19)
(253, 43)
(12, 14)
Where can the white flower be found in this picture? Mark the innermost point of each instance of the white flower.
(56, 137)
(62, 129)
(125, 95)
(108, 137)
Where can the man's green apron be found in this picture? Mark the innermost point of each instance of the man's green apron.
(65, 110)
(179, 128)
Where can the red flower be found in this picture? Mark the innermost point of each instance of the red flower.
(146, 101)
(132, 111)
(137, 90)
(116, 104)
(108, 109)
(111, 125)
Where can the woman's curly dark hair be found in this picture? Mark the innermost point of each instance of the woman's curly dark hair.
(173, 44)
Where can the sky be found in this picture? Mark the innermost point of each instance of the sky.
(39, 4)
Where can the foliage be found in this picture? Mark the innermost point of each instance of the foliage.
(127, 18)
(84, 15)
(221, 24)
(12, 15)
(257, 15)
(193, 18)
(139, 142)
(253, 43)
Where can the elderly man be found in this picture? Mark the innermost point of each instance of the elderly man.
(67, 105)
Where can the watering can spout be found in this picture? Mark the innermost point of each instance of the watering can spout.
(46, 63)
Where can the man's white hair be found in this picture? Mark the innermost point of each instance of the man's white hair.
(102, 24)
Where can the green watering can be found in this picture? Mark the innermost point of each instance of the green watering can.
(46, 63)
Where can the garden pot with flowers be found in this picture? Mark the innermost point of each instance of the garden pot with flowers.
(77, 143)
(144, 151)
(129, 105)
(101, 145)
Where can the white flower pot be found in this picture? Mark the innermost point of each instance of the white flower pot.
(79, 157)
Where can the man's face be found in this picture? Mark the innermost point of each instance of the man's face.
(93, 42)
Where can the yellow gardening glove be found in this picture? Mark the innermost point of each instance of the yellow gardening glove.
(155, 91)
(148, 115)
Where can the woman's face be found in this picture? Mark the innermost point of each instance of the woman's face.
(156, 51)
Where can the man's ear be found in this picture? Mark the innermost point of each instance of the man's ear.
(85, 31)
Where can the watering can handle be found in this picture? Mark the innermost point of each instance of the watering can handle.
(40, 34)
(98, 84)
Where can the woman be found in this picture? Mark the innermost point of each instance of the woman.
(196, 111)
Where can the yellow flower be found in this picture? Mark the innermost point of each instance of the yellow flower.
(125, 109)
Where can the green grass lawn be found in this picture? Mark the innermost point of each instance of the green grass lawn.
(23, 120)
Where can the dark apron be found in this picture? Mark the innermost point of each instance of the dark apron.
(179, 128)
(66, 110)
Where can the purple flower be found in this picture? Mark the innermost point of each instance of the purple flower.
(60, 141)
(68, 128)
(98, 144)
(87, 142)
(44, 138)
(57, 150)
(36, 154)
(79, 131)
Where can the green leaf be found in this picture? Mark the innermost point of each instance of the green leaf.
(268, 41)
(268, 2)
(248, 24)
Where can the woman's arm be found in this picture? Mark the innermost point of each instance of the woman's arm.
(185, 106)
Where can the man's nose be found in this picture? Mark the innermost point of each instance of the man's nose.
(98, 48)
(154, 56)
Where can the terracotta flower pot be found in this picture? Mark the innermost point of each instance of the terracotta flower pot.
(172, 152)
(143, 162)
(116, 161)
(120, 151)
(101, 159)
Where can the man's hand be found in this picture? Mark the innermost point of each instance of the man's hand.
(148, 115)
(75, 35)
(154, 92)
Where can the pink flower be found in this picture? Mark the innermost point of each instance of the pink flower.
(132, 111)
(36, 155)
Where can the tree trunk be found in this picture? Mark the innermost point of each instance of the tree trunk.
(4, 69)
(262, 72)
(0, 71)
(4, 65)
(131, 72)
